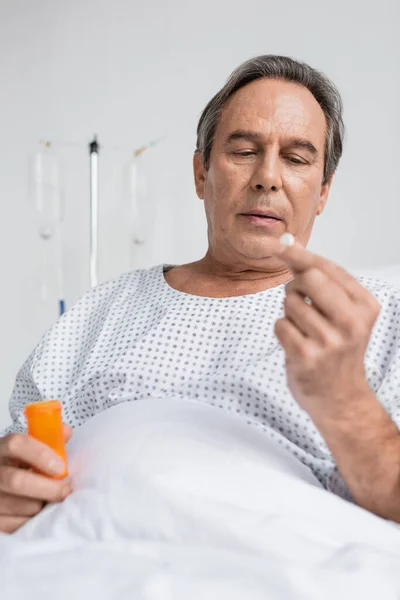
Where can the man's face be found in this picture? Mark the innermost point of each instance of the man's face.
(267, 157)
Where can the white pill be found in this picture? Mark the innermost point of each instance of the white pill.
(287, 239)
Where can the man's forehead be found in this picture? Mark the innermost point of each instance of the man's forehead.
(274, 107)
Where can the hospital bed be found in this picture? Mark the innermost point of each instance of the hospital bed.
(180, 501)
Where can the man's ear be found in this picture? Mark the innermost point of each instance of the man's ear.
(323, 198)
(199, 174)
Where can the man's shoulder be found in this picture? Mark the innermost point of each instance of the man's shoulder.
(130, 278)
(100, 306)
(383, 352)
(127, 283)
(98, 303)
(386, 332)
(386, 292)
(388, 296)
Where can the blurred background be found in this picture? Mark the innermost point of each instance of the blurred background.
(133, 72)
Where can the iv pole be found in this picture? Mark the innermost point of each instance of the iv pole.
(94, 148)
(94, 210)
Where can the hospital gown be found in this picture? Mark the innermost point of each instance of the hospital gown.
(136, 337)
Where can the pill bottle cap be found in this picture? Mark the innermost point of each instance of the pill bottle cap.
(43, 407)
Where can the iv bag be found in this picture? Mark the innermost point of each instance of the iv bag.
(45, 190)
(141, 200)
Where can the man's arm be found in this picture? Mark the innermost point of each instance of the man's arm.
(325, 339)
(366, 449)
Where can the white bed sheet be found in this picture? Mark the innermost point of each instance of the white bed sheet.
(179, 500)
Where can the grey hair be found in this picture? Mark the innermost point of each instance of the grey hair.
(286, 69)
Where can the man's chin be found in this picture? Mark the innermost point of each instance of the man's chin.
(260, 251)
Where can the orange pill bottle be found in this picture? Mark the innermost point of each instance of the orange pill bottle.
(45, 424)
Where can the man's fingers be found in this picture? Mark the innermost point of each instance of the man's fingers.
(308, 320)
(67, 432)
(11, 524)
(289, 336)
(19, 507)
(298, 259)
(20, 482)
(31, 452)
(327, 296)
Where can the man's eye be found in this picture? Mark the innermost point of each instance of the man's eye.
(296, 161)
(244, 153)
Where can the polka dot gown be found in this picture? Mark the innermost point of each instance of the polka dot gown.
(136, 337)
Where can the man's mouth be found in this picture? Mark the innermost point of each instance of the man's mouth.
(267, 221)
(262, 215)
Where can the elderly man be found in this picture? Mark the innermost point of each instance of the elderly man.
(280, 337)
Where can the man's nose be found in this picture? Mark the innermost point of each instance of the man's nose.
(267, 175)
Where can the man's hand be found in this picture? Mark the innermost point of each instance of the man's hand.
(24, 493)
(328, 321)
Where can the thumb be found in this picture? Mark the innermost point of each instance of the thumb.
(67, 432)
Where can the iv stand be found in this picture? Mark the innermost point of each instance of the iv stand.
(94, 210)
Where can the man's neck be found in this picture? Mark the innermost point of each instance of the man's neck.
(210, 279)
